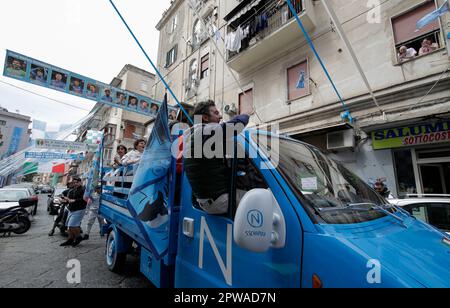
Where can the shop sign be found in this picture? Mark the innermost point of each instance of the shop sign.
(412, 135)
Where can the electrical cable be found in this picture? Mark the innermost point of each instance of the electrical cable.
(43, 96)
(299, 22)
(151, 62)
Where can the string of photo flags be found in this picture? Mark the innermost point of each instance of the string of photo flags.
(29, 70)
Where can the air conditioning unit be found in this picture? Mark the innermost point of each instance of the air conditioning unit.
(231, 109)
(344, 139)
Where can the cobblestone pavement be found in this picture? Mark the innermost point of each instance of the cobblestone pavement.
(35, 260)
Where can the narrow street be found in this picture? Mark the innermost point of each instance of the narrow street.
(35, 260)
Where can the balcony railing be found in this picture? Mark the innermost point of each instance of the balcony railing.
(263, 21)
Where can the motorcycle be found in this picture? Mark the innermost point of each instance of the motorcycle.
(16, 219)
(60, 220)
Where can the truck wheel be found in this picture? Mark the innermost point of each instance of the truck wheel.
(114, 259)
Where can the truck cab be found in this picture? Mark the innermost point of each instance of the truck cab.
(304, 221)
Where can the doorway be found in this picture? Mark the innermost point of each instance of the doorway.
(433, 168)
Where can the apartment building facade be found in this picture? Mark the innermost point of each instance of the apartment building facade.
(402, 136)
(14, 133)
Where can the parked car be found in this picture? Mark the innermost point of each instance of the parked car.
(432, 209)
(10, 196)
(54, 201)
(46, 189)
(31, 186)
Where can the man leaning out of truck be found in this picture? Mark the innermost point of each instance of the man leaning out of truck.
(210, 177)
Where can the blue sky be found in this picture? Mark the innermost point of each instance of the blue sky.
(83, 36)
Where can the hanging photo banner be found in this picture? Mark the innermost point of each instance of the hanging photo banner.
(49, 144)
(53, 156)
(29, 70)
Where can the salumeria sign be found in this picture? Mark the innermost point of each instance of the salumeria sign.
(419, 134)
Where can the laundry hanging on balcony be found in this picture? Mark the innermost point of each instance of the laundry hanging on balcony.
(233, 40)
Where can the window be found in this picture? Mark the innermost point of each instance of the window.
(193, 67)
(108, 155)
(171, 57)
(323, 186)
(205, 67)
(144, 86)
(409, 42)
(129, 131)
(246, 102)
(2, 123)
(405, 172)
(197, 36)
(298, 81)
(110, 134)
(436, 214)
(174, 24)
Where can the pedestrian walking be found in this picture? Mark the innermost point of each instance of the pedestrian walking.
(92, 213)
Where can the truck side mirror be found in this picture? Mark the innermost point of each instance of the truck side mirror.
(259, 223)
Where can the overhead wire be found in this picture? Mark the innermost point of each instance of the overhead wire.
(43, 96)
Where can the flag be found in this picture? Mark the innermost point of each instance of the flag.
(30, 168)
(94, 173)
(94, 137)
(427, 19)
(60, 168)
(149, 194)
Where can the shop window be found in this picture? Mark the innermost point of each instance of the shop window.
(246, 102)
(298, 81)
(409, 42)
(405, 172)
(205, 67)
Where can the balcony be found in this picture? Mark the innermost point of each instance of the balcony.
(280, 32)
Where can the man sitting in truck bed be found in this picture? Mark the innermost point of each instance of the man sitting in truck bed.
(210, 177)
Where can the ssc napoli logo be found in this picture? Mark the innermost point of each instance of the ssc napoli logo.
(255, 219)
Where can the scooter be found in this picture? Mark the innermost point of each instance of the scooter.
(14, 220)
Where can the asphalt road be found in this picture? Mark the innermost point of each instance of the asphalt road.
(35, 260)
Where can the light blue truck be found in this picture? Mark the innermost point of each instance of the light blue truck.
(305, 222)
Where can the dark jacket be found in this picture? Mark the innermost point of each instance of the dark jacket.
(209, 177)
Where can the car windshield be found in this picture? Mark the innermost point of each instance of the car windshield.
(12, 195)
(329, 192)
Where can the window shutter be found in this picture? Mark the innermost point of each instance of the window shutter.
(405, 25)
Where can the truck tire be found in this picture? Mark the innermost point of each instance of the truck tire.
(114, 260)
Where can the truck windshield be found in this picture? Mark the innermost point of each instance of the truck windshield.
(329, 192)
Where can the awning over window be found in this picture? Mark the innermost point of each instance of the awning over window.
(243, 8)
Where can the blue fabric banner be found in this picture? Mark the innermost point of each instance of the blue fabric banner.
(15, 141)
(427, 19)
(148, 198)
